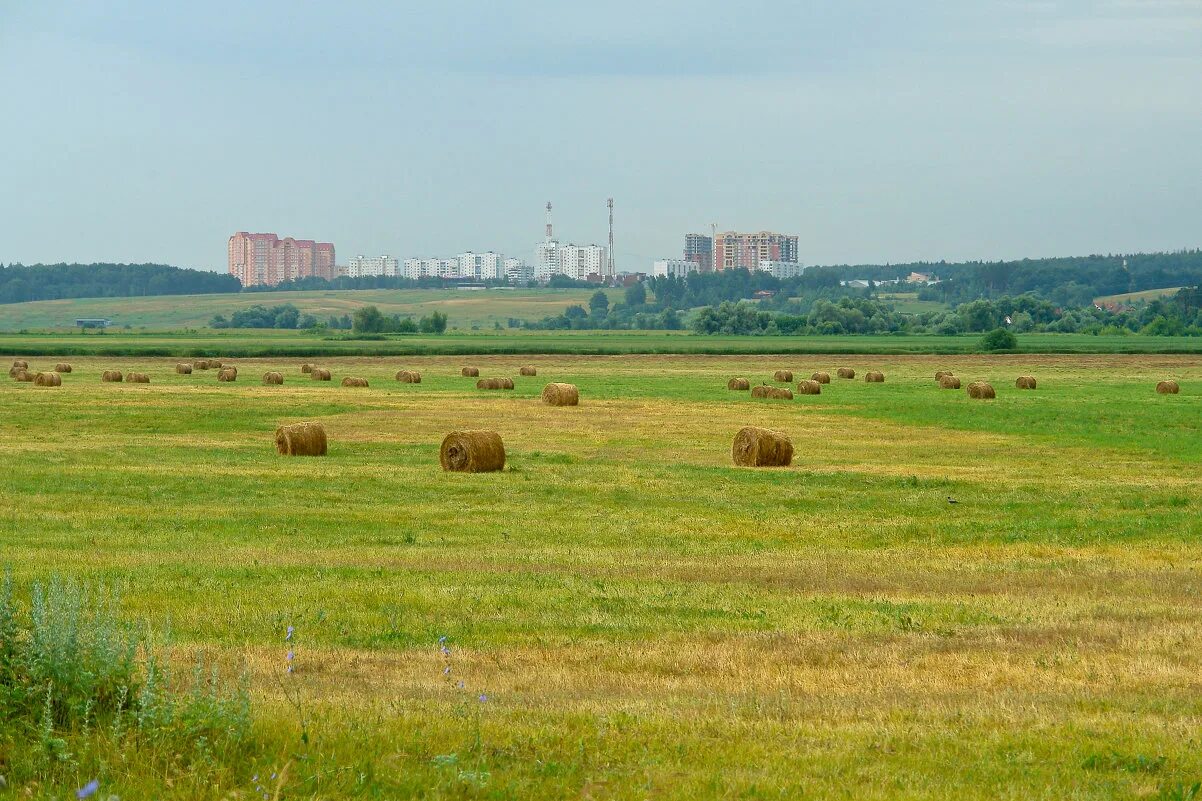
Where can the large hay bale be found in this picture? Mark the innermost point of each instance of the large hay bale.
(227, 374)
(47, 380)
(941, 373)
(556, 394)
(1025, 382)
(62, 367)
(982, 390)
(306, 368)
(760, 447)
(351, 381)
(201, 364)
(1168, 387)
(528, 370)
(495, 383)
(470, 372)
(845, 372)
(214, 364)
(137, 378)
(20, 364)
(320, 374)
(301, 439)
(821, 377)
(12, 371)
(22, 374)
(273, 377)
(949, 381)
(738, 383)
(409, 377)
(111, 376)
(809, 387)
(783, 375)
(472, 452)
(874, 377)
(764, 391)
(183, 369)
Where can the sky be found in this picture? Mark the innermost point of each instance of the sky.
(140, 131)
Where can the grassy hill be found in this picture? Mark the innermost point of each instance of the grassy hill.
(1135, 297)
(465, 309)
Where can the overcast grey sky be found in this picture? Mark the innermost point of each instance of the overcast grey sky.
(133, 130)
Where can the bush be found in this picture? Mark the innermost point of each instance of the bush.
(998, 339)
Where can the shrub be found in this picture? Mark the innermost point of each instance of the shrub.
(998, 339)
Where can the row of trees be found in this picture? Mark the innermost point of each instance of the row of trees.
(370, 320)
(20, 283)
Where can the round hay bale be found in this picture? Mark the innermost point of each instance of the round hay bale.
(20, 364)
(495, 383)
(528, 370)
(306, 368)
(111, 376)
(183, 369)
(301, 439)
(982, 390)
(1025, 382)
(201, 364)
(809, 387)
(783, 375)
(273, 377)
(47, 380)
(320, 374)
(137, 378)
(62, 367)
(227, 374)
(738, 383)
(821, 377)
(845, 372)
(22, 375)
(351, 381)
(214, 364)
(941, 373)
(472, 452)
(409, 377)
(470, 372)
(874, 377)
(556, 394)
(764, 391)
(12, 371)
(949, 381)
(760, 447)
(1168, 387)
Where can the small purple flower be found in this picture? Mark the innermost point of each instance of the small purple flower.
(483, 698)
(88, 790)
(446, 671)
(288, 636)
(291, 654)
(442, 640)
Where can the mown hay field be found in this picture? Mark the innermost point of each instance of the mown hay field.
(630, 615)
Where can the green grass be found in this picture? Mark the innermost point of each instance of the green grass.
(645, 619)
(300, 343)
(465, 309)
(908, 303)
(1133, 297)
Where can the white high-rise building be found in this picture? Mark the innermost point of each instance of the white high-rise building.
(518, 272)
(431, 268)
(360, 266)
(481, 266)
(546, 260)
(676, 267)
(581, 261)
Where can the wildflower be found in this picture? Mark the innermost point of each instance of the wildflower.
(288, 636)
(291, 654)
(461, 684)
(442, 640)
(446, 671)
(483, 698)
(88, 790)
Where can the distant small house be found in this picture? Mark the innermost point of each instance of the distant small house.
(856, 283)
(92, 322)
(919, 278)
(763, 294)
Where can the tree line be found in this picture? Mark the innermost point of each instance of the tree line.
(20, 283)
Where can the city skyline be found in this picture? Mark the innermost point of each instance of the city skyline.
(982, 131)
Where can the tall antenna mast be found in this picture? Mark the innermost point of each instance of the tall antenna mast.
(549, 237)
(610, 204)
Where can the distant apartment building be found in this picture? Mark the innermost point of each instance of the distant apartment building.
(364, 266)
(733, 250)
(518, 272)
(481, 266)
(431, 268)
(781, 269)
(578, 262)
(674, 267)
(699, 249)
(267, 260)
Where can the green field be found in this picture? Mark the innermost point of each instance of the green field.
(642, 619)
(465, 309)
(1135, 297)
(242, 343)
(908, 303)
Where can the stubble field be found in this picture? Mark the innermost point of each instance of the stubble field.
(630, 615)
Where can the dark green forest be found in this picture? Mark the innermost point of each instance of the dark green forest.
(20, 283)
